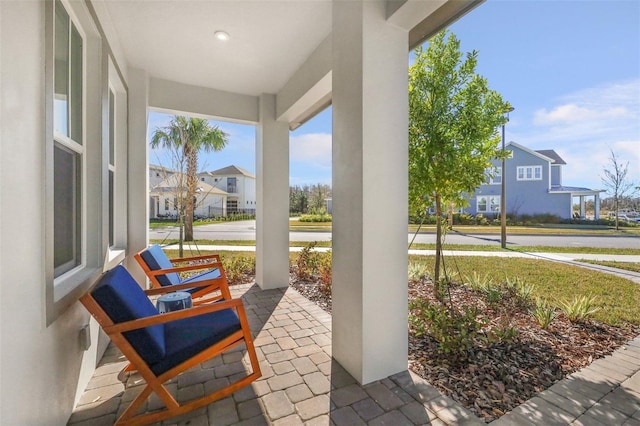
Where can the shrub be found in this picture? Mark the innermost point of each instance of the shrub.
(312, 265)
(520, 289)
(543, 313)
(307, 262)
(324, 270)
(493, 294)
(418, 271)
(580, 308)
(477, 282)
(454, 331)
(481, 220)
(238, 268)
(321, 217)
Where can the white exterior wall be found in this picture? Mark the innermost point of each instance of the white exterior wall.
(245, 188)
(249, 192)
(215, 201)
(41, 363)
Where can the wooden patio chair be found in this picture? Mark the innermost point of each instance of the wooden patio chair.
(161, 346)
(164, 272)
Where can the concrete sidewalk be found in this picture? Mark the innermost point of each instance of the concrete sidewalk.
(569, 258)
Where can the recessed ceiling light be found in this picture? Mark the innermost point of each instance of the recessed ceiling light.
(221, 35)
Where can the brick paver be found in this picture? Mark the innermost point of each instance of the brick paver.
(302, 385)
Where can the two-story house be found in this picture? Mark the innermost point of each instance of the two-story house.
(239, 184)
(533, 185)
(209, 201)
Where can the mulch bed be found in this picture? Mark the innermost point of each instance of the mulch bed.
(491, 379)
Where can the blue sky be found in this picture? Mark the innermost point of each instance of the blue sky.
(570, 68)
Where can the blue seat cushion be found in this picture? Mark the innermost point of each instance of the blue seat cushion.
(155, 259)
(209, 275)
(123, 300)
(189, 336)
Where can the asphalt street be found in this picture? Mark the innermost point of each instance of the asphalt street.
(245, 230)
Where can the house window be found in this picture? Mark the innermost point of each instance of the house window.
(232, 206)
(493, 175)
(68, 150)
(529, 173)
(166, 204)
(232, 185)
(488, 204)
(112, 168)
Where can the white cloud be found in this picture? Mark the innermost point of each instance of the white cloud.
(582, 126)
(572, 113)
(312, 148)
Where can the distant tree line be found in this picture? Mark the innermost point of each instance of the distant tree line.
(309, 198)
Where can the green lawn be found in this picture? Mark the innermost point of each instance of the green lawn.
(461, 247)
(618, 298)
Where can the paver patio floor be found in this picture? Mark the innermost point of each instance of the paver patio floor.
(301, 384)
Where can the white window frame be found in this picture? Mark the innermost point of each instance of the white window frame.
(529, 173)
(62, 291)
(77, 148)
(116, 133)
(488, 198)
(492, 173)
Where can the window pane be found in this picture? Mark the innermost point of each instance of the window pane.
(111, 208)
(61, 71)
(538, 172)
(497, 175)
(111, 128)
(495, 204)
(231, 185)
(75, 95)
(66, 210)
(482, 204)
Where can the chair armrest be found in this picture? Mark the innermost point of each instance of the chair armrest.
(186, 268)
(173, 316)
(203, 257)
(214, 282)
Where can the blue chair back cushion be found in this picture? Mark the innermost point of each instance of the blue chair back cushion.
(189, 336)
(155, 259)
(123, 300)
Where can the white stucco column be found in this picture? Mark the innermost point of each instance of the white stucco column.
(583, 209)
(138, 171)
(596, 206)
(272, 197)
(370, 179)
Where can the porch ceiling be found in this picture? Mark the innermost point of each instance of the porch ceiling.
(269, 39)
(174, 40)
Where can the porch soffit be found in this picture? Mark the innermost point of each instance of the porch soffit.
(277, 47)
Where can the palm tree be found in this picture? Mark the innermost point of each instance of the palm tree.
(190, 136)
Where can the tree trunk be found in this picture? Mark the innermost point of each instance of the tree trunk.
(192, 183)
(181, 235)
(436, 278)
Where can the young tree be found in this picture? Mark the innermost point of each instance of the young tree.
(616, 182)
(454, 120)
(191, 135)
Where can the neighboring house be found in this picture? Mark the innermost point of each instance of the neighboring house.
(238, 184)
(158, 173)
(210, 201)
(533, 185)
